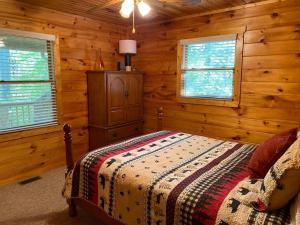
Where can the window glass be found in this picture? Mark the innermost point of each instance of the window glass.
(208, 68)
(27, 85)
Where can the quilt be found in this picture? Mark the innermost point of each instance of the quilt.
(170, 178)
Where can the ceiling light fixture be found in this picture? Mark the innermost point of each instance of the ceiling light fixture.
(128, 7)
(144, 8)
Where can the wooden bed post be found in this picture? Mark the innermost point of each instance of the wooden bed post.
(70, 164)
(68, 145)
(160, 114)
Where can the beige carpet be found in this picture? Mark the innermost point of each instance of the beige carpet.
(39, 203)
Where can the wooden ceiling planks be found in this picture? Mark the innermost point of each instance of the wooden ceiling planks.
(162, 9)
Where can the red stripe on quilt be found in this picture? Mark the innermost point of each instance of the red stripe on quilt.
(217, 198)
(172, 199)
(94, 170)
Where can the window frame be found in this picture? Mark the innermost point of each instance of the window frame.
(32, 131)
(237, 75)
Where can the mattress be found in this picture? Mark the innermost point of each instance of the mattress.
(167, 178)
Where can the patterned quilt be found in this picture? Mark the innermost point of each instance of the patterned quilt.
(170, 178)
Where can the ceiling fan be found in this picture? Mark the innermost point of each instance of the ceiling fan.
(190, 3)
(127, 8)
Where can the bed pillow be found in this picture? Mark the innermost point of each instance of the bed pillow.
(282, 182)
(269, 152)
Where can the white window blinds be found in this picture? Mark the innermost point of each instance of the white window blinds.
(208, 67)
(27, 81)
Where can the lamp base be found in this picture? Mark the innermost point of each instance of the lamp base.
(128, 68)
(127, 62)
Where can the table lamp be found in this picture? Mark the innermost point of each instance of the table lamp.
(128, 48)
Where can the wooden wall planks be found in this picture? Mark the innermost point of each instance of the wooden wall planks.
(270, 99)
(79, 39)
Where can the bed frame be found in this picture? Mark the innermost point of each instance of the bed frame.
(82, 203)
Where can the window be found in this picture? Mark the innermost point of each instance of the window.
(27, 80)
(208, 71)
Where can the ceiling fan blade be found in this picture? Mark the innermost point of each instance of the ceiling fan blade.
(105, 5)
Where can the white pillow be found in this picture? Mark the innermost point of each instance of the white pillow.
(295, 211)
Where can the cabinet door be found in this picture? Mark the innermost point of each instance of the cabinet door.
(116, 91)
(134, 96)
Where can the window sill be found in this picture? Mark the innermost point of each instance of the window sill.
(14, 135)
(205, 101)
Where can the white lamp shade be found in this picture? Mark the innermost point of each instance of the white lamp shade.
(127, 46)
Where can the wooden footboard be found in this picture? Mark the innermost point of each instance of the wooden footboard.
(74, 202)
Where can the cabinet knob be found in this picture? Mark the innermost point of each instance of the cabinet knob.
(136, 129)
(114, 134)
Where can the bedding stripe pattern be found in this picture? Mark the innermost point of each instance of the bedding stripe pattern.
(164, 178)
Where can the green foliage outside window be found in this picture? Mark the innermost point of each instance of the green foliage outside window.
(208, 69)
(26, 93)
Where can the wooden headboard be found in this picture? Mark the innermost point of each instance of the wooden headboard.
(159, 118)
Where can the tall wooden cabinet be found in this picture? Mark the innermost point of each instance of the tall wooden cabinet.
(115, 106)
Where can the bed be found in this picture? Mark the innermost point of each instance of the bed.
(167, 178)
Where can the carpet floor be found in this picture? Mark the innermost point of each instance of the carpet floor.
(39, 203)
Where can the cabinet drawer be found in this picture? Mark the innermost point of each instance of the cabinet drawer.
(124, 132)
